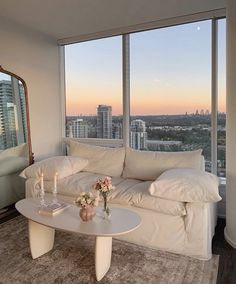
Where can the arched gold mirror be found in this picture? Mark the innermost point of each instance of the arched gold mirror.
(15, 139)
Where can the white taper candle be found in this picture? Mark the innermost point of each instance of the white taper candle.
(41, 182)
(55, 181)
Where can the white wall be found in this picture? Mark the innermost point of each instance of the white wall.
(230, 231)
(36, 60)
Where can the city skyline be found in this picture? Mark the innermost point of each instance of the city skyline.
(197, 111)
(170, 71)
(155, 133)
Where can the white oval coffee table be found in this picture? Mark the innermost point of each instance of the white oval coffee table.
(42, 229)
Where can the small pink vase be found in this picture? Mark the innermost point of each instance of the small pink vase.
(87, 213)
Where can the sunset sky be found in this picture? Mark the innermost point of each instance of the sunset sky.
(170, 71)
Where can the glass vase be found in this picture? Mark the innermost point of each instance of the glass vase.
(106, 209)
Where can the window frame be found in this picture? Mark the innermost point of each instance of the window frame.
(214, 16)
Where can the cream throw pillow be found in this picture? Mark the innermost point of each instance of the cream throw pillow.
(18, 151)
(62, 165)
(101, 160)
(148, 165)
(186, 185)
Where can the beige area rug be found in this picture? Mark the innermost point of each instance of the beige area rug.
(72, 261)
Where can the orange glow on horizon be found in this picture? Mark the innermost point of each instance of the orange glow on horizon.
(149, 102)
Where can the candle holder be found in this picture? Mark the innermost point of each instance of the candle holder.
(42, 200)
(54, 193)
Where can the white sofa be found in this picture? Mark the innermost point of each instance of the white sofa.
(171, 225)
(12, 162)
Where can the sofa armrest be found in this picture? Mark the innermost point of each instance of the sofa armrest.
(200, 222)
(10, 165)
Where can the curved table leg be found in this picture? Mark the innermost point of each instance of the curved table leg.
(41, 238)
(103, 251)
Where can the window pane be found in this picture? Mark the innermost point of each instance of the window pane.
(94, 89)
(171, 89)
(221, 97)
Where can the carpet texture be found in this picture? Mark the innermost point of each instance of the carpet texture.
(72, 261)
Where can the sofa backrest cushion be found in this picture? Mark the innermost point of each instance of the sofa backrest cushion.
(148, 165)
(101, 160)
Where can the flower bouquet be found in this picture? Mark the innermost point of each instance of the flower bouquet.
(104, 187)
(86, 201)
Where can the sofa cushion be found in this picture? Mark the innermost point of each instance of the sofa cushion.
(18, 151)
(127, 192)
(101, 160)
(75, 184)
(148, 165)
(10, 165)
(62, 165)
(135, 193)
(186, 185)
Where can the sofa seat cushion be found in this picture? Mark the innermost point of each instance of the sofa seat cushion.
(134, 192)
(75, 184)
(131, 192)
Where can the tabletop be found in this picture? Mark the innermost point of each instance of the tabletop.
(122, 220)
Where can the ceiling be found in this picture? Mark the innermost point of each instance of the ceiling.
(62, 19)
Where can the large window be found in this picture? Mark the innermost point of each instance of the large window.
(94, 89)
(172, 103)
(171, 89)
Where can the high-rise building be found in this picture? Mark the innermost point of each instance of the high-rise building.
(104, 121)
(138, 135)
(12, 114)
(79, 128)
(117, 130)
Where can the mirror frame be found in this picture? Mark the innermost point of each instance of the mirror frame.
(31, 159)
